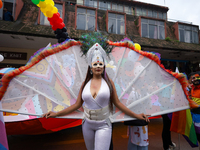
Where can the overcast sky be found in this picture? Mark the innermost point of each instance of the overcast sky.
(182, 10)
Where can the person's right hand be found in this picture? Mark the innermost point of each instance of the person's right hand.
(49, 114)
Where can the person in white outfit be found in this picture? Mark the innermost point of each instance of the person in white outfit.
(98, 94)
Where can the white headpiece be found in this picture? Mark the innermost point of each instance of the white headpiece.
(96, 54)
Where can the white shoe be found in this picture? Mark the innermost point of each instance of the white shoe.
(173, 146)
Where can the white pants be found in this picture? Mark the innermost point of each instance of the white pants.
(97, 134)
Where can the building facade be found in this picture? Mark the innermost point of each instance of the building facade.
(146, 24)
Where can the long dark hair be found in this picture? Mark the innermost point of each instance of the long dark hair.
(89, 76)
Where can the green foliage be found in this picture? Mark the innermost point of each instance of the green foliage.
(88, 40)
(177, 41)
(104, 21)
(168, 39)
(136, 22)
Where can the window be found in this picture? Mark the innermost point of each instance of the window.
(162, 15)
(155, 14)
(152, 29)
(188, 34)
(43, 18)
(103, 5)
(86, 19)
(141, 12)
(120, 8)
(91, 3)
(116, 23)
(79, 2)
(165, 16)
(8, 5)
(129, 10)
(150, 13)
(114, 6)
(117, 7)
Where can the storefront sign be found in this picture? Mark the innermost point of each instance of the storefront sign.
(14, 55)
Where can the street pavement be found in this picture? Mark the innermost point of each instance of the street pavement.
(72, 139)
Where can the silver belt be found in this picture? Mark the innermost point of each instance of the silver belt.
(97, 114)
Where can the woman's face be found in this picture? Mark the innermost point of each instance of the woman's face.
(97, 68)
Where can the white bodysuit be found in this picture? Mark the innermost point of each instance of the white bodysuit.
(97, 133)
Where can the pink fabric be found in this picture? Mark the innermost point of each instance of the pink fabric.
(29, 105)
(3, 137)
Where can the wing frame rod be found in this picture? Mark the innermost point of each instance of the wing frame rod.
(61, 81)
(144, 98)
(134, 80)
(119, 66)
(59, 103)
(155, 92)
(17, 112)
(18, 97)
(154, 114)
(77, 64)
(30, 114)
(167, 111)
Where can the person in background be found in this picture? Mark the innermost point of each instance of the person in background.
(7, 16)
(166, 133)
(194, 94)
(137, 129)
(138, 137)
(191, 76)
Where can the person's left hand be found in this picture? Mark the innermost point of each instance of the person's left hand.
(49, 114)
(142, 116)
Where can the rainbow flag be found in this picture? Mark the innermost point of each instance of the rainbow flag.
(182, 123)
(3, 137)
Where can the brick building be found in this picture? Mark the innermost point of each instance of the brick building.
(146, 24)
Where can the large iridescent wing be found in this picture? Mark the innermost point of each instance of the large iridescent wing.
(49, 82)
(143, 84)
